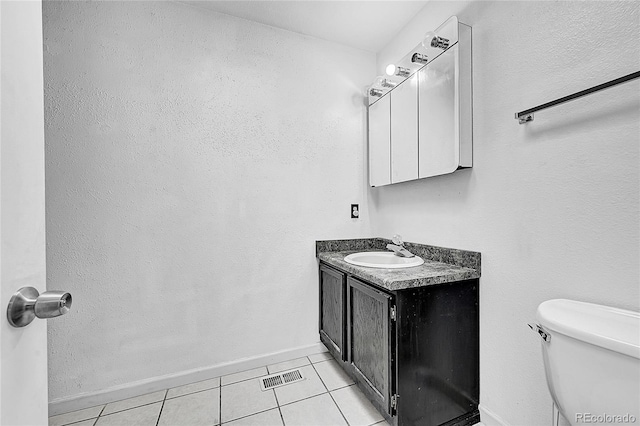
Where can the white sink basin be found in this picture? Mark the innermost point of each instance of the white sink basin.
(382, 259)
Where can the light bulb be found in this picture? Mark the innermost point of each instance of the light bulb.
(394, 70)
(403, 72)
(419, 58)
(428, 39)
(432, 40)
(391, 69)
(383, 82)
(443, 43)
(372, 91)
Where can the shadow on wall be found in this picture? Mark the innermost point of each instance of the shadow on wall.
(454, 189)
(613, 108)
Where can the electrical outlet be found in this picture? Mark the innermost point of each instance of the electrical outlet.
(355, 211)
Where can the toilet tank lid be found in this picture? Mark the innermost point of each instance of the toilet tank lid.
(604, 326)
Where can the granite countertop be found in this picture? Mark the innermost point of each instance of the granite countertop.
(441, 264)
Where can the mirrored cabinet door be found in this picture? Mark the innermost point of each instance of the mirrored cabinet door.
(404, 131)
(380, 142)
(438, 112)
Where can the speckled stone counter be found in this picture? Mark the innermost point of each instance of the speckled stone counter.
(441, 264)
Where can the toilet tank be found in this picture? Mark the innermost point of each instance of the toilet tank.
(592, 361)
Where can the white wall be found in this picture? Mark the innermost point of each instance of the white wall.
(552, 205)
(192, 160)
(189, 153)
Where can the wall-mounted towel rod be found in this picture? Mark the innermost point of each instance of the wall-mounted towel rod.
(527, 115)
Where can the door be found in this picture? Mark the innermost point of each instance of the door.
(332, 312)
(439, 149)
(23, 351)
(404, 131)
(380, 142)
(371, 343)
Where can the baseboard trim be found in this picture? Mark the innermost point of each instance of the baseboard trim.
(130, 390)
(489, 418)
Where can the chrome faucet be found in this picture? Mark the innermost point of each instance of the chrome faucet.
(398, 247)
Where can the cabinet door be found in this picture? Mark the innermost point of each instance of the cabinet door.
(404, 131)
(332, 310)
(439, 149)
(380, 142)
(371, 349)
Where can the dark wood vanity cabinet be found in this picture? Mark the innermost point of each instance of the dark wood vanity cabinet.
(332, 312)
(371, 342)
(413, 352)
(438, 354)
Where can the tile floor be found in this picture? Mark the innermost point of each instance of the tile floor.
(327, 396)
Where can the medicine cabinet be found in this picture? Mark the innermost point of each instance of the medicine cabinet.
(420, 117)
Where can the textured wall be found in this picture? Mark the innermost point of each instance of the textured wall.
(192, 159)
(552, 205)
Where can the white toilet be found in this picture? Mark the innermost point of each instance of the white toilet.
(592, 361)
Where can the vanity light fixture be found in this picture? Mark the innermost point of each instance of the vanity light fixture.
(432, 40)
(383, 82)
(419, 58)
(372, 91)
(399, 71)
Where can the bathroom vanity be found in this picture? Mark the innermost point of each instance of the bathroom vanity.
(408, 337)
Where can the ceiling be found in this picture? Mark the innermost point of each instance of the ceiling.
(367, 25)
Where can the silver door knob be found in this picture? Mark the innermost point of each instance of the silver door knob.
(27, 303)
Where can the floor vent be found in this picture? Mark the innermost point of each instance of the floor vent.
(280, 379)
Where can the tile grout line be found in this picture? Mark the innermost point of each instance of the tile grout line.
(79, 421)
(283, 405)
(220, 403)
(331, 396)
(162, 406)
(342, 387)
(313, 396)
(278, 405)
(243, 380)
(130, 408)
(268, 372)
(287, 369)
(99, 414)
(166, 398)
(273, 390)
(322, 360)
(191, 393)
(249, 415)
(220, 386)
(104, 407)
(95, 419)
(303, 399)
(256, 377)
